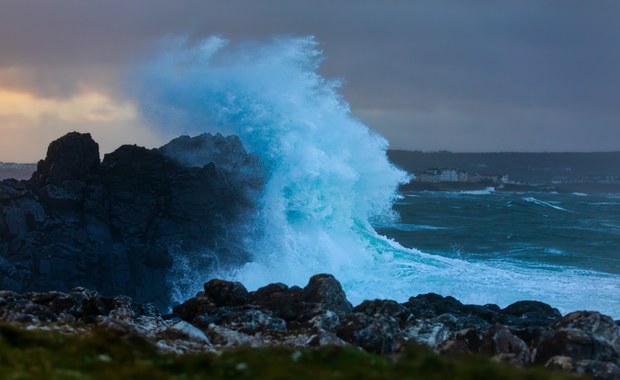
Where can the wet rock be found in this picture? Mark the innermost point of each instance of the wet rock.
(463, 342)
(559, 362)
(326, 293)
(251, 321)
(325, 321)
(279, 299)
(431, 332)
(225, 152)
(185, 330)
(575, 343)
(322, 297)
(500, 343)
(378, 334)
(590, 339)
(226, 337)
(434, 331)
(598, 369)
(324, 338)
(489, 312)
(123, 309)
(194, 307)
(382, 336)
(226, 293)
(383, 307)
(529, 313)
(600, 326)
(432, 305)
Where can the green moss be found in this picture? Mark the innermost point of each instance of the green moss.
(107, 355)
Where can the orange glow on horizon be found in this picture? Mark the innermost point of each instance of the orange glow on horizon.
(28, 123)
(89, 106)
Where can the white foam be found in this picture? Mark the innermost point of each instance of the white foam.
(543, 203)
(416, 227)
(487, 191)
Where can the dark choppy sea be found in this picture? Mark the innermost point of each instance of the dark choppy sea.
(575, 230)
(560, 248)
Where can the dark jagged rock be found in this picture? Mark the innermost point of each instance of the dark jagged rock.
(383, 326)
(597, 324)
(226, 315)
(500, 343)
(194, 307)
(463, 342)
(325, 292)
(529, 313)
(433, 304)
(279, 299)
(114, 225)
(323, 295)
(226, 152)
(384, 307)
(226, 293)
(254, 320)
(597, 369)
(72, 157)
(581, 335)
(379, 334)
(244, 171)
(579, 346)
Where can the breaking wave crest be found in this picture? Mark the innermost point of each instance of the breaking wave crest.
(327, 180)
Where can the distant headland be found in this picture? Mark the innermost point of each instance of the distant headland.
(562, 172)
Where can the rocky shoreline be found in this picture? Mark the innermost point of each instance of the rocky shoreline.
(225, 315)
(117, 225)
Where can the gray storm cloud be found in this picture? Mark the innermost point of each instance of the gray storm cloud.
(463, 76)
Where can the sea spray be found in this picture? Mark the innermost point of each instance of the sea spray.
(327, 181)
(328, 175)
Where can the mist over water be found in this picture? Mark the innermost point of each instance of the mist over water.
(328, 180)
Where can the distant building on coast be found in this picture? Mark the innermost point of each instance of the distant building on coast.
(436, 175)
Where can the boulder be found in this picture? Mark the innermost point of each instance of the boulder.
(581, 335)
(226, 293)
(194, 307)
(528, 314)
(279, 299)
(325, 293)
(383, 307)
(379, 334)
(501, 344)
(74, 156)
(432, 304)
(252, 321)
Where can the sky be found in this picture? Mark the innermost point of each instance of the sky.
(428, 75)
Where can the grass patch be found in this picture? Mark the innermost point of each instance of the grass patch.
(103, 354)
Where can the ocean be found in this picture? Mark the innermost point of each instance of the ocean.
(552, 236)
(576, 230)
(330, 201)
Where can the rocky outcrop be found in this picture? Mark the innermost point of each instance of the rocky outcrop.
(114, 225)
(226, 315)
(226, 152)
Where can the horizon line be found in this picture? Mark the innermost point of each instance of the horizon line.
(504, 151)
